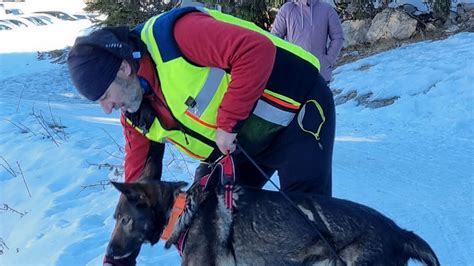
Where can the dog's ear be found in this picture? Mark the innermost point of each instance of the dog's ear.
(125, 188)
(132, 191)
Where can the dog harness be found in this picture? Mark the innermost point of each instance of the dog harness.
(227, 179)
(176, 211)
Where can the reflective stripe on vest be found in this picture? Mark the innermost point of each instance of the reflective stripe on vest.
(207, 92)
(268, 112)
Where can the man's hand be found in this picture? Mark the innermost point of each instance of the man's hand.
(225, 141)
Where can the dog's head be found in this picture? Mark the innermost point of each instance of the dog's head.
(141, 215)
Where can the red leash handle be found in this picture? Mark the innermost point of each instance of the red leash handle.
(228, 179)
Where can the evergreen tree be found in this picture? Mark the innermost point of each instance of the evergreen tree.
(441, 9)
(132, 12)
(256, 11)
(128, 12)
(364, 9)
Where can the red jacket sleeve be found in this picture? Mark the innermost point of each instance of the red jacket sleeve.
(247, 54)
(136, 151)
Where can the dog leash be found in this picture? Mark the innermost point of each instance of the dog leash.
(331, 248)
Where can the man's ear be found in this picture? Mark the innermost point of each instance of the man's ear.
(125, 70)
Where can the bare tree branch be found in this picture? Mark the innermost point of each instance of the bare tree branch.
(24, 180)
(3, 246)
(113, 155)
(23, 128)
(120, 147)
(40, 119)
(8, 167)
(175, 160)
(57, 125)
(105, 165)
(53, 130)
(5, 207)
(19, 100)
(102, 183)
(15, 173)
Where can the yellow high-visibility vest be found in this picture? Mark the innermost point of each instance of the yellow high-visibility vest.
(194, 93)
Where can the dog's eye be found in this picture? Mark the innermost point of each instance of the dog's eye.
(126, 220)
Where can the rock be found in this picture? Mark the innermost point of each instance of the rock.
(391, 24)
(355, 31)
(409, 8)
(430, 27)
(452, 28)
(466, 14)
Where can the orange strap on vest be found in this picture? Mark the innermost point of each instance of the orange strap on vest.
(178, 208)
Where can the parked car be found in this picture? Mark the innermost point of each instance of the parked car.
(4, 26)
(35, 20)
(18, 21)
(13, 11)
(48, 18)
(8, 24)
(80, 16)
(58, 14)
(91, 17)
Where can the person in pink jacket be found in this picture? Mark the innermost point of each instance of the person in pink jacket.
(313, 25)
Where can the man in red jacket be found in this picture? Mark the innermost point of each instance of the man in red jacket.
(276, 104)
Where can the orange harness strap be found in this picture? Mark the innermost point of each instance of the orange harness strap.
(178, 208)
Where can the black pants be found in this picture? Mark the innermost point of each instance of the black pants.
(303, 163)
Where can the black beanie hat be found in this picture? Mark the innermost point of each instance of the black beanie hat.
(94, 60)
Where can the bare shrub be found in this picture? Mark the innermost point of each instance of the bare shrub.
(14, 172)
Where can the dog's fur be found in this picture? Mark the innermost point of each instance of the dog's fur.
(263, 229)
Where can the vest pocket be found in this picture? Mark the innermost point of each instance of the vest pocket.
(311, 118)
(257, 134)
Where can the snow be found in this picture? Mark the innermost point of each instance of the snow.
(412, 160)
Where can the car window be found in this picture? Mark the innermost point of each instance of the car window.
(49, 20)
(80, 16)
(65, 16)
(35, 20)
(32, 20)
(4, 27)
(13, 11)
(17, 22)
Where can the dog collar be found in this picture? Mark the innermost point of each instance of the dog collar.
(176, 211)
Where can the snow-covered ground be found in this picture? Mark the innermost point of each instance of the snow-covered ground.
(412, 160)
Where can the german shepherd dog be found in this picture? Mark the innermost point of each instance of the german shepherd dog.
(263, 228)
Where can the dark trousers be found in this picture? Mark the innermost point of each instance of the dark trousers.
(303, 163)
